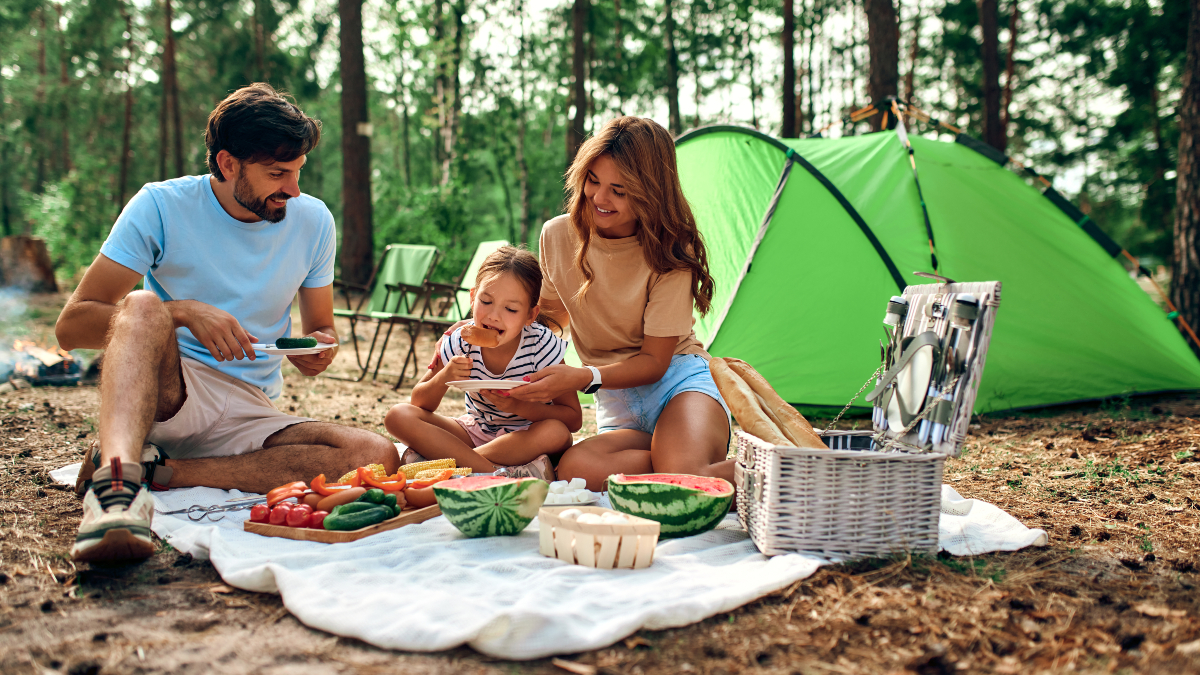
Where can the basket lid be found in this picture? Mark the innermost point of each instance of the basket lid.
(938, 341)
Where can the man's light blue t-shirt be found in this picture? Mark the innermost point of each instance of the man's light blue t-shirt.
(179, 236)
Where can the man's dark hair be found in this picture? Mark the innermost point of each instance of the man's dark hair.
(256, 124)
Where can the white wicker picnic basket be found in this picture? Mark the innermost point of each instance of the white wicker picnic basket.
(875, 493)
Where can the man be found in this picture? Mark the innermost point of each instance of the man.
(184, 399)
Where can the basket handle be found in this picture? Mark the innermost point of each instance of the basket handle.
(923, 340)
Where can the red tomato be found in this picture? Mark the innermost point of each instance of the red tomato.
(259, 513)
(297, 518)
(279, 514)
(302, 507)
(317, 520)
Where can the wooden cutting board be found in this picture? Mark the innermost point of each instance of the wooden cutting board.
(406, 517)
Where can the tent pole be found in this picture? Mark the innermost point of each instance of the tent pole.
(758, 238)
(912, 161)
(1161, 294)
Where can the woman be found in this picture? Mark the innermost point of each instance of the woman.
(623, 269)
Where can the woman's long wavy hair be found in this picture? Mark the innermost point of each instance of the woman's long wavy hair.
(644, 153)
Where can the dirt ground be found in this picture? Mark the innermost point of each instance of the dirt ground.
(1114, 485)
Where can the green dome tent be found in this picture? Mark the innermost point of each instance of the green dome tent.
(808, 238)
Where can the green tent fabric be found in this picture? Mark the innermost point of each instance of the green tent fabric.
(801, 289)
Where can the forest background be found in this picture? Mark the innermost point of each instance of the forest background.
(450, 122)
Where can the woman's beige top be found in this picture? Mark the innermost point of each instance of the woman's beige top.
(626, 301)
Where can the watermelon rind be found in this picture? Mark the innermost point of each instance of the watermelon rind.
(680, 511)
(502, 510)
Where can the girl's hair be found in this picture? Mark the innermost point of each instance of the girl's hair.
(644, 153)
(524, 266)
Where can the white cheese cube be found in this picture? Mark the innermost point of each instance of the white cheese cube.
(578, 484)
(558, 486)
(581, 497)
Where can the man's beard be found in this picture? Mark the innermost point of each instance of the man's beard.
(258, 205)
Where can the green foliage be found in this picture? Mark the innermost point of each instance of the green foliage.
(61, 142)
(1144, 542)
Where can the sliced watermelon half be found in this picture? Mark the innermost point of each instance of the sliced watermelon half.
(489, 506)
(682, 504)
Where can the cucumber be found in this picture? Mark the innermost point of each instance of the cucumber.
(372, 496)
(390, 500)
(352, 507)
(295, 343)
(357, 520)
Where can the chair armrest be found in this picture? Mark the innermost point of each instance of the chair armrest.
(404, 288)
(347, 285)
(446, 288)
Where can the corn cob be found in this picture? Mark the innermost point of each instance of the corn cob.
(434, 473)
(376, 469)
(411, 470)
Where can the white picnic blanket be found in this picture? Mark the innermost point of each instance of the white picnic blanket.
(425, 587)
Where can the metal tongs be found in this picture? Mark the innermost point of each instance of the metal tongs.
(197, 513)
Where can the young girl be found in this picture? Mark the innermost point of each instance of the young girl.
(625, 268)
(497, 430)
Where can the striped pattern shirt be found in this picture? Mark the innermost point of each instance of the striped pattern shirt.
(539, 348)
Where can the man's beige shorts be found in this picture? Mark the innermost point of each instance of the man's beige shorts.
(221, 416)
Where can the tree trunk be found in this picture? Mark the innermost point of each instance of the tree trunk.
(788, 128)
(912, 60)
(6, 210)
(260, 46)
(576, 131)
(171, 87)
(753, 76)
(808, 77)
(357, 234)
(1185, 272)
(64, 81)
(123, 180)
(1010, 66)
(163, 136)
(618, 56)
(695, 61)
(25, 263)
(522, 165)
(439, 93)
(674, 118)
(407, 140)
(883, 43)
(993, 133)
(39, 105)
(454, 110)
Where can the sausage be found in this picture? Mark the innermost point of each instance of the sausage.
(341, 497)
(313, 499)
(419, 498)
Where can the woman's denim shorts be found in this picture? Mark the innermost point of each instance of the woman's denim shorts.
(639, 407)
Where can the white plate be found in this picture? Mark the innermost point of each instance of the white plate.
(473, 386)
(272, 349)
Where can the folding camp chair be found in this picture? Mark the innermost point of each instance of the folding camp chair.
(447, 304)
(391, 295)
(456, 297)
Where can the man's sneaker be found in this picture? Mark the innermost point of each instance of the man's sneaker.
(539, 468)
(411, 456)
(116, 519)
(155, 473)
